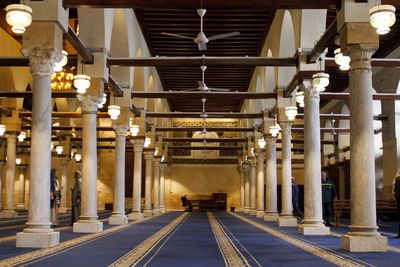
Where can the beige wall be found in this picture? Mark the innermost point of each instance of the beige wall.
(200, 181)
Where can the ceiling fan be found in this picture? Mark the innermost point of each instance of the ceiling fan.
(202, 85)
(201, 40)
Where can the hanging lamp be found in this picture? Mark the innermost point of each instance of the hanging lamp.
(382, 17)
(18, 17)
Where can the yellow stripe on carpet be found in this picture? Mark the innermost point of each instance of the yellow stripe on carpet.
(133, 257)
(315, 250)
(231, 254)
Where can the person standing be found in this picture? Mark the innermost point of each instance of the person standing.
(397, 196)
(76, 198)
(55, 196)
(295, 200)
(328, 195)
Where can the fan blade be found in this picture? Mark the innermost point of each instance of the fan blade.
(221, 36)
(190, 90)
(201, 83)
(219, 89)
(202, 46)
(177, 35)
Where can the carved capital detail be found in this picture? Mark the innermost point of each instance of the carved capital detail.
(42, 59)
(311, 93)
(138, 145)
(270, 141)
(120, 130)
(286, 128)
(360, 57)
(89, 103)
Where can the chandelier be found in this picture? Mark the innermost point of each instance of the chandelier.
(19, 17)
(261, 142)
(62, 81)
(382, 17)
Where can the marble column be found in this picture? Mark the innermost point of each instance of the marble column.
(136, 213)
(313, 222)
(271, 203)
(342, 182)
(9, 208)
(42, 57)
(21, 191)
(286, 216)
(88, 221)
(64, 187)
(241, 171)
(118, 216)
(163, 166)
(1, 183)
(260, 184)
(253, 182)
(156, 188)
(148, 157)
(363, 235)
(246, 172)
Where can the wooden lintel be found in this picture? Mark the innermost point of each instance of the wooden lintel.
(114, 87)
(210, 129)
(209, 115)
(341, 117)
(297, 79)
(28, 94)
(326, 39)
(87, 56)
(58, 114)
(24, 62)
(199, 95)
(375, 62)
(209, 140)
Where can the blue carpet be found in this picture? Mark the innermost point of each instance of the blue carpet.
(332, 243)
(193, 244)
(106, 250)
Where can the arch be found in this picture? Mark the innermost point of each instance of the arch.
(138, 81)
(150, 88)
(287, 48)
(344, 138)
(198, 154)
(269, 84)
(328, 149)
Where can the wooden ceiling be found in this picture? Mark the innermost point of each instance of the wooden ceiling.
(253, 26)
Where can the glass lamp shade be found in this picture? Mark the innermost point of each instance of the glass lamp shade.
(134, 129)
(103, 101)
(18, 17)
(291, 112)
(162, 158)
(2, 129)
(78, 157)
(51, 146)
(320, 80)
(58, 66)
(21, 136)
(18, 161)
(147, 142)
(114, 111)
(341, 60)
(59, 150)
(261, 143)
(81, 83)
(382, 17)
(274, 130)
(300, 98)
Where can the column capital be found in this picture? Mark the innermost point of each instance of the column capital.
(157, 159)
(21, 166)
(42, 59)
(310, 91)
(89, 103)
(163, 166)
(260, 153)
(64, 161)
(286, 127)
(138, 145)
(120, 130)
(270, 140)
(360, 56)
(148, 154)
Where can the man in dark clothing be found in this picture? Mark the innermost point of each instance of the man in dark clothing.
(397, 196)
(76, 198)
(295, 199)
(186, 203)
(328, 194)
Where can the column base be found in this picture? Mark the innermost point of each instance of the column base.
(352, 243)
(287, 221)
(135, 216)
(8, 214)
(147, 213)
(246, 210)
(156, 212)
(163, 210)
(313, 229)
(90, 226)
(271, 217)
(63, 210)
(20, 206)
(260, 214)
(118, 219)
(37, 240)
(239, 210)
(252, 212)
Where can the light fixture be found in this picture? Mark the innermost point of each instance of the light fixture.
(21, 136)
(114, 111)
(382, 17)
(320, 80)
(341, 60)
(2, 129)
(156, 152)
(291, 112)
(78, 157)
(147, 142)
(18, 17)
(261, 142)
(62, 81)
(58, 66)
(51, 146)
(59, 150)
(81, 83)
(252, 152)
(162, 158)
(134, 129)
(300, 98)
(103, 101)
(274, 130)
(18, 161)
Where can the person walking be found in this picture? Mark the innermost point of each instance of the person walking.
(295, 200)
(55, 196)
(397, 196)
(328, 195)
(76, 198)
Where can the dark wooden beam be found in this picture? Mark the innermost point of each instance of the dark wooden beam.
(326, 39)
(59, 114)
(114, 87)
(341, 117)
(69, 128)
(375, 62)
(87, 56)
(210, 129)
(205, 147)
(209, 4)
(28, 94)
(209, 115)
(198, 61)
(198, 94)
(345, 96)
(209, 140)
(24, 62)
(325, 130)
(297, 79)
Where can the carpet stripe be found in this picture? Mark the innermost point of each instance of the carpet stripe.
(315, 250)
(232, 256)
(133, 257)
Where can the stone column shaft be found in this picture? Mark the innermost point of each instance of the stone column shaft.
(1, 183)
(253, 181)
(162, 187)
(271, 204)
(21, 193)
(136, 213)
(241, 171)
(260, 184)
(8, 209)
(246, 172)
(148, 156)
(118, 216)
(313, 223)
(156, 189)
(64, 186)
